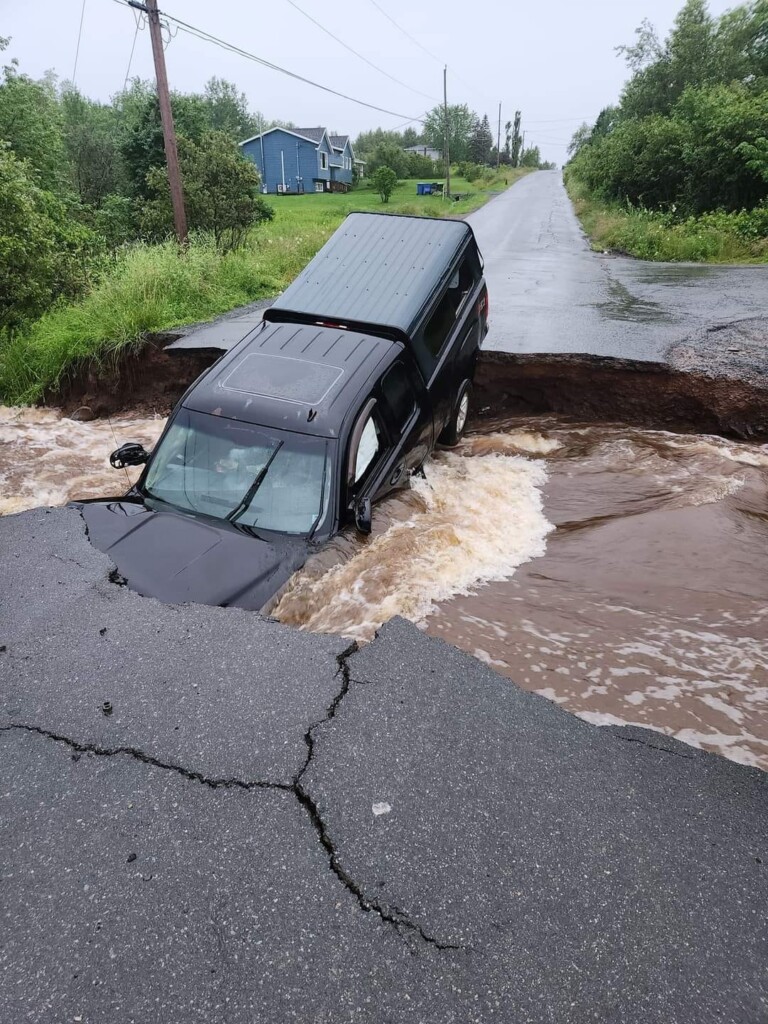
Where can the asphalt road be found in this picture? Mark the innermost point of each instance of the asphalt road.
(209, 817)
(550, 293)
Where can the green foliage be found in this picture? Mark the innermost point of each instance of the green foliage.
(384, 180)
(90, 133)
(530, 157)
(31, 122)
(44, 253)
(228, 111)
(689, 135)
(142, 144)
(220, 192)
(461, 121)
(387, 154)
(716, 237)
(480, 141)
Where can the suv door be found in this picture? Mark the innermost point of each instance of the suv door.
(408, 410)
(452, 334)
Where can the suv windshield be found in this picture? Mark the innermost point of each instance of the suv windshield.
(248, 474)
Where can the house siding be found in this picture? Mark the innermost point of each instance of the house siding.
(301, 159)
(344, 161)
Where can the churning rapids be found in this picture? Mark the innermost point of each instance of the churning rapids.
(620, 572)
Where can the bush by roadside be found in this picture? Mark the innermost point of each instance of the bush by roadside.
(715, 237)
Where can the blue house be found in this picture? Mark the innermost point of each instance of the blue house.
(296, 160)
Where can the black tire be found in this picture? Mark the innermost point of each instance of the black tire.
(451, 435)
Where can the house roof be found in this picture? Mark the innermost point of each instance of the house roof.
(314, 134)
(339, 141)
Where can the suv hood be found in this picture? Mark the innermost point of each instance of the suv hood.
(179, 558)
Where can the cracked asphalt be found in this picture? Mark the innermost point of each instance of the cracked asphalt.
(209, 816)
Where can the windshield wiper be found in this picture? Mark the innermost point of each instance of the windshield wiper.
(250, 493)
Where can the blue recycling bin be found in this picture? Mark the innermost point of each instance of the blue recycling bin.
(423, 188)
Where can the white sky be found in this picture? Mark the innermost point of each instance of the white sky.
(553, 60)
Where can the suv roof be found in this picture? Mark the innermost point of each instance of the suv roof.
(291, 376)
(376, 269)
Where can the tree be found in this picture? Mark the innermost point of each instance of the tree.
(530, 157)
(30, 121)
(44, 253)
(387, 154)
(460, 122)
(516, 141)
(228, 112)
(384, 181)
(92, 146)
(480, 141)
(142, 143)
(580, 137)
(220, 192)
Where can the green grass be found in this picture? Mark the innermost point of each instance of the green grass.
(152, 288)
(711, 238)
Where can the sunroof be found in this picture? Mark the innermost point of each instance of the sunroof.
(282, 378)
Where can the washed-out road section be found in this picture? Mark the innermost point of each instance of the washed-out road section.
(208, 816)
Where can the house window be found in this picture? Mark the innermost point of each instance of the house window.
(323, 161)
(319, 186)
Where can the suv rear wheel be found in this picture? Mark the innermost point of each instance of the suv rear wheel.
(451, 435)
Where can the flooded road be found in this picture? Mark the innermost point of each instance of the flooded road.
(617, 571)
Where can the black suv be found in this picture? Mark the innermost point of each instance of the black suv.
(358, 370)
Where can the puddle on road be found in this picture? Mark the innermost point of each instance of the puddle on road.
(617, 571)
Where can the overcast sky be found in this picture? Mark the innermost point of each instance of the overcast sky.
(554, 60)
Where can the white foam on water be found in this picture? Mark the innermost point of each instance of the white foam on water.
(479, 520)
(48, 459)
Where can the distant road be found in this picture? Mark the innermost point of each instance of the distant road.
(550, 293)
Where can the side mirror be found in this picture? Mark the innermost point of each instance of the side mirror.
(363, 515)
(130, 454)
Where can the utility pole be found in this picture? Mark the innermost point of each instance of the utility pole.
(166, 116)
(447, 134)
(498, 141)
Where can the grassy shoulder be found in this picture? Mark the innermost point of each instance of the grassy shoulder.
(152, 288)
(711, 238)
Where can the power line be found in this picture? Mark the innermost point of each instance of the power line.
(77, 50)
(138, 18)
(407, 34)
(355, 52)
(209, 38)
(420, 46)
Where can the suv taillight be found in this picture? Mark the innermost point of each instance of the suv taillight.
(483, 306)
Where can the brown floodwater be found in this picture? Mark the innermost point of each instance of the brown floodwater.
(620, 572)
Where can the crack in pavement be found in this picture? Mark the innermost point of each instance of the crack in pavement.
(391, 915)
(653, 746)
(139, 755)
(399, 920)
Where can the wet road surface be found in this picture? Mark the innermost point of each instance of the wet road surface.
(550, 293)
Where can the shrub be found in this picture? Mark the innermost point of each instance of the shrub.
(384, 181)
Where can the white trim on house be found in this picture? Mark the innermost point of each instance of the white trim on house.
(288, 131)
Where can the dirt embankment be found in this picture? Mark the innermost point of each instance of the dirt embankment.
(717, 383)
(149, 382)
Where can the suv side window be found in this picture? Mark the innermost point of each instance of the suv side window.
(365, 447)
(440, 324)
(399, 395)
